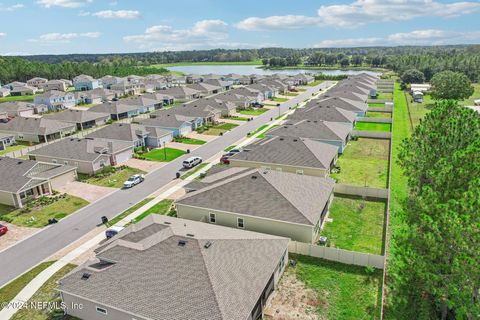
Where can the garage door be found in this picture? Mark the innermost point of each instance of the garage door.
(124, 156)
(63, 179)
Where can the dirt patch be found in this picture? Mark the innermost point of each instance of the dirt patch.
(15, 234)
(86, 191)
(293, 300)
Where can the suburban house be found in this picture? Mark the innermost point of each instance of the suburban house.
(118, 109)
(6, 140)
(23, 91)
(358, 107)
(193, 110)
(225, 85)
(159, 97)
(95, 96)
(37, 129)
(4, 92)
(107, 81)
(14, 84)
(288, 154)
(136, 134)
(201, 271)
(88, 155)
(83, 119)
(178, 124)
(325, 112)
(334, 133)
(57, 85)
(37, 82)
(268, 92)
(226, 108)
(18, 109)
(85, 82)
(205, 89)
(129, 88)
(181, 93)
(252, 95)
(279, 203)
(345, 94)
(240, 101)
(22, 180)
(55, 100)
(302, 79)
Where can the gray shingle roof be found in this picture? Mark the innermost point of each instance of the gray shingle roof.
(38, 126)
(78, 116)
(338, 102)
(266, 194)
(120, 131)
(312, 129)
(154, 277)
(347, 94)
(289, 151)
(323, 112)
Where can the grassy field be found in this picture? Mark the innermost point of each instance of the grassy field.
(20, 145)
(164, 154)
(364, 162)
(279, 99)
(8, 292)
(291, 94)
(190, 172)
(475, 96)
(46, 293)
(346, 292)
(377, 105)
(189, 140)
(253, 112)
(38, 216)
(315, 83)
(419, 110)
(262, 127)
(207, 63)
(372, 114)
(16, 98)
(219, 129)
(238, 118)
(114, 180)
(371, 126)
(384, 96)
(163, 207)
(357, 225)
(229, 148)
(127, 212)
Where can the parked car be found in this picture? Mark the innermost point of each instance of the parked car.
(233, 151)
(191, 162)
(133, 180)
(113, 231)
(3, 229)
(225, 158)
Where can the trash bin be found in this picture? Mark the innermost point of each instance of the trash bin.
(177, 175)
(104, 219)
(188, 150)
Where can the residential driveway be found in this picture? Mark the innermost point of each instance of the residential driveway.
(182, 146)
(144, 165)
(14, 234)
(86, 191)
(204, 137)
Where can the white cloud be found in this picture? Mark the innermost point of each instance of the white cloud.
(119, 14)
(65, 37)
(416, 37)
(2, 34)
(13, 7)
(63, 3)
(362, 12)
(202, 31)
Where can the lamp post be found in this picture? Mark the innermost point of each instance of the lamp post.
(164, 151)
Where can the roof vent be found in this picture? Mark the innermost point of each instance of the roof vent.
(166, 222)
(19, 162)
(85, 276)
(254, 177)
(207, 245)
(281, 139)
(295, 140)
(190, 235)
(182, 243)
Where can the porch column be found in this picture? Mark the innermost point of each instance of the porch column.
(17, 201)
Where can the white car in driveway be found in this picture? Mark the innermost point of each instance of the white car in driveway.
(191, 162)
(133, 181)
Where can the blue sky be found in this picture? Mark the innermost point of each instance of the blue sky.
(95, 26)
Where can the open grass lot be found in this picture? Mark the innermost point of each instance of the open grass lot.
(475, 96)
(38, 216)
(372, 114)
(364, 162)
(20, 145)
(111, 180)
(46, 293)
(315, 83)
(346, 292)
(189, 140)
(277, 99)
(371, 126)
(127, 212)
(8, 292)
(219, 129)
(253, 111)
(419, 110)
(162, 208)
(16, 98)
(192, 171)
(357, 225)
(164, 154)
(377, 105)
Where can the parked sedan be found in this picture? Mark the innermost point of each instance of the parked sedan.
(3, 229)
(133, 181)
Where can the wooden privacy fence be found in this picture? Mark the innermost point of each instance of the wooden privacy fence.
(338, 255)
(367, 192)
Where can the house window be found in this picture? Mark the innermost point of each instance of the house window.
(299, 172)
(54, 161)
(240, 223)
(101, 310)
(212, 217)
(65, 162)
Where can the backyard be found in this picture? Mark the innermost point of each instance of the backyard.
(364, 163)
(189, 140)
(37, 212)
(372, 114)
(373, 126)
(356, 225)
(344, 291)
(219, 129)
(376, 105)
(253, 111)
(112, 177)
(163, 154)
(19, 145)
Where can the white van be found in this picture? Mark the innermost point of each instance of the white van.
(191, 162)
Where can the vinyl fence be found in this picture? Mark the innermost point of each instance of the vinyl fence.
(367, 192)
(338, 255)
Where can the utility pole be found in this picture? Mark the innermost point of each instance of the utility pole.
(164, 151)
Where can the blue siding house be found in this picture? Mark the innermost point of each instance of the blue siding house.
(84, 82)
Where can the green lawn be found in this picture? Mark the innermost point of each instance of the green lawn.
(38, 216)
(253, 111)
(163, 207)
(364, 162)
(372, 126)
(8, 292)
(262, 127)
(16, 98)
(357, 225)
(475, 96)
(419, 110)
(346, 292)
(315, 83)
(190, 172)
(46, 293)
(20, 145)
(229, 148)
(164, 154)
(127, 212)
(372, 114)
(207, 63)
(189, 140)
(290, 94)
(111, 180)
(384, 96)
(238, 118)
(377, 105)
(279, 99)
(219, 129)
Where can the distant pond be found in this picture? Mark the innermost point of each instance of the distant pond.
(249, 69)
